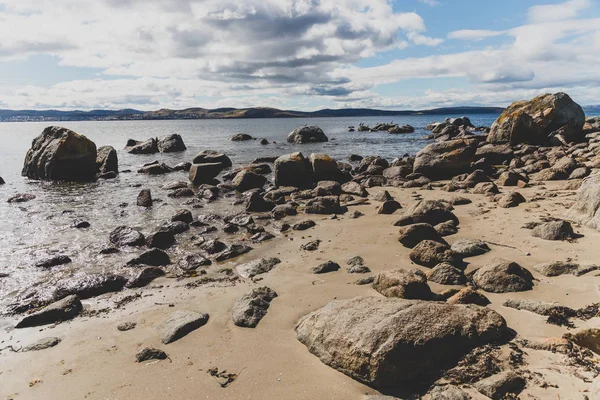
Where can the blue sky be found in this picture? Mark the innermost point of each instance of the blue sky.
(299, 54)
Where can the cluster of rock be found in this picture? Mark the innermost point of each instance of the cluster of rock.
(167, 144)
(389, 128)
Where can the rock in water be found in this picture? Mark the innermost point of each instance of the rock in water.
(252, 307)
(205, 173)
(126, 236)
(536, 120)
(106, 160)
(42, 344)
(293, 170)
(2, 181)
(240, 137)
(144, 199)
(154, 257)
(307, 134)
(150, 146)
(445, 159)
(60, 154)
(62, 310)
(502, 276)
(388, 343)
(180, 324)
(211, 157)
(172, 143)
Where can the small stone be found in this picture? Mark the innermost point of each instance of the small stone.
(42, 344)
(180, 324)
(252, 307)
(126, 326)
(304, 225)
(150, 353)
(311, 246)
(144, 199)
(326, 267)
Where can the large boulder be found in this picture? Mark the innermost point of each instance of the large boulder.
(59, 154)
(325, 168)
(106, 160)
(205, 173)
(502, 276)
(293, 170)
(172, 143)
(307, 134)
(212, 156)
(445, 159)
(536, 120)
(585, 209)
(246, 180)
(388, 343)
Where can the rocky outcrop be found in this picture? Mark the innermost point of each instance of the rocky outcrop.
(387, 343)
(107, 160)
(252, 307)
(293, 170)
(535, 121)
(444, 160)
(307, 134)
(172, 143)
(59, 154)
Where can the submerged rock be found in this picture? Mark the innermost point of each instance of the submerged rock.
(126, 236)
(21, 198)
(252, 307)
(368, 338)
(53, 261)
(59, 154)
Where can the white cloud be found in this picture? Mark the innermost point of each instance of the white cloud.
(430, 2)
(557, 12)
(473, 34)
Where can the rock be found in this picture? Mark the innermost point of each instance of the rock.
(107, 160)
(264, 142)
(460, 201)
(401, 129)
(179, 193)
(431, 212)
(260, 237)
(485, 188)
(126, 326)
(588, 338)
(21, 198)
(469, 296)
(511, 178)
(252, 307)
(59, 311)
(446, 228)
(59, 154)
(311, 246)
(194, 261)
(205, 173)
(304, 225)
(42, 344)
(326, 267)
(307, 134)
(358, 269)
(180, 324)
(502, 276)
(446, 274)
(126, 236)
(2, 182)
(403, 284)
(155, 168)
(172, 143)
(183, 166)
(246, 180)
(389, 207)
(498, 386)
(555, 230)
(144, 199)
(429, 253)
(233, 251)
(89, 285)
(512, 199)
(448, 392)
(183, 216)
(283, 210)
(212, 157)
(354, 188)
(470, 247)
(325, 168)
(144, 277)
(241, 137)
(256, 203)
(539, 307)
(557, 268)
(293, 170)
(150, 353)
(257, 267)
(150, 146)
(368, 338)
(154, 257)
(585, 209)
(328, 188)
(536, 120)
(324, 205)
(175, 228)
(444, 160)
(412, 235)
(383, 196)
(53, 262)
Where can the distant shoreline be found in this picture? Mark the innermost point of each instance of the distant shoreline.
(224, 113)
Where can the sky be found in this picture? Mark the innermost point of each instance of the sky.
(295, 54)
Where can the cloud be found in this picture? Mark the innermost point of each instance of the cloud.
(430, 2)
(557, 12)
(473, 34)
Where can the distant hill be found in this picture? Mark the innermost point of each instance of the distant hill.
(203, 113)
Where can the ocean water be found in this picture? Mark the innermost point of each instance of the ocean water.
(30, 231)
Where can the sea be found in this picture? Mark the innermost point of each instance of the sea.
(43, 227)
